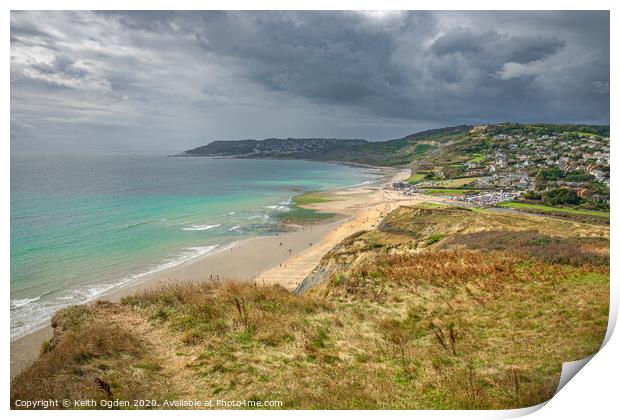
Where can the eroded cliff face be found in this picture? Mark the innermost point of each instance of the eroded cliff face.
(340, 258)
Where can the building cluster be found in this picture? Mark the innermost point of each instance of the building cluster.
(516, 159)
(481, 199)
(490, 198)
(511, 164)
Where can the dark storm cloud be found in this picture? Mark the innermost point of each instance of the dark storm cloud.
(503, 48)
(459, 40)
(171, 80)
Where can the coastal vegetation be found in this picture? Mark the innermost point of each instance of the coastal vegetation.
(592, 216)
(436, 308)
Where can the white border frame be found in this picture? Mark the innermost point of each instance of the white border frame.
(591, 393)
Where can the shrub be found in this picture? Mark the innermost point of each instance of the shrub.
(434, 238)
(561, 196)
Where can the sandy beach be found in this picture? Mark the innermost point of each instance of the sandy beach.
(284, 259)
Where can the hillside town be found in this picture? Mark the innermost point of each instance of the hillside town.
(507, 164)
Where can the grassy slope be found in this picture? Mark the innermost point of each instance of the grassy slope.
(549, 209)
(400, 152)
(437, 308)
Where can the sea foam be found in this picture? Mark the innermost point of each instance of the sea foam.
(200, 227)
(29, 314)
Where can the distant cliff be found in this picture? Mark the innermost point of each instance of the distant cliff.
(397, 152)
(448, 146)
(277, 147)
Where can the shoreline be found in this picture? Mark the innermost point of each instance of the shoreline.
(337, 162)
(285, 258)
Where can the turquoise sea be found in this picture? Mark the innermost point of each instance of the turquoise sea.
(82, 226)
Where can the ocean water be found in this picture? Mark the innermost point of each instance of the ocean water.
(82, 226)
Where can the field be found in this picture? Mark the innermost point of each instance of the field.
(549, 209)
(448, 191)
(583, 133)
(414, 179)
(459, 182)
(437, 308)
(478, 158)
(449, 183)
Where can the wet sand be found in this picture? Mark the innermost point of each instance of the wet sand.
(284, 259)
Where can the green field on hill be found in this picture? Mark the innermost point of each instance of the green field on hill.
(415, 178)
(549, 209)
(449, 191)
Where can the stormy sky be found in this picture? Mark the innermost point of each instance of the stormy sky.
(168, 81)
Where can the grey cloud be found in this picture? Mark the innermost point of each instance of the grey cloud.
(171, 80)
(324, 56)
(518, 49)
(461, 40)
(528, 49)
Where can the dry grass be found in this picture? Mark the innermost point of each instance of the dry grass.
(88, 357)
(578, 252)
(482, 330)
(481, 318)
(221, 312)
(426, 220)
